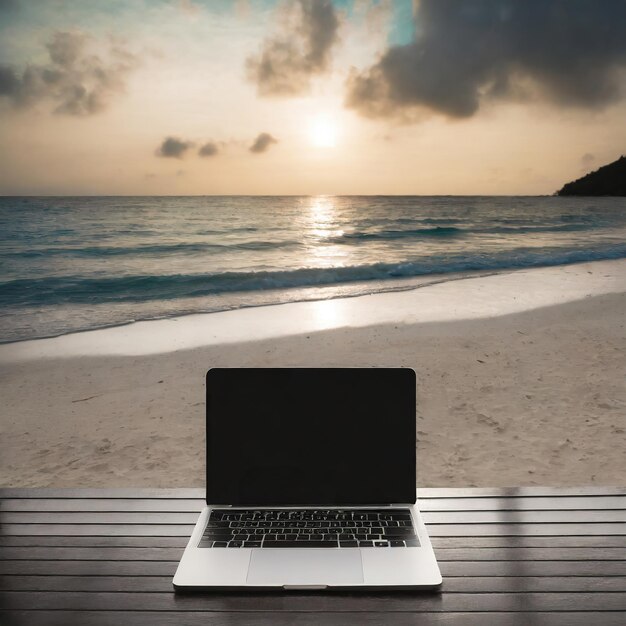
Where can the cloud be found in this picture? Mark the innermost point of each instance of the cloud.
(569, 52)
(262, 143)
(173, 148)
(208, 149)
(78, 81)
(299, 50)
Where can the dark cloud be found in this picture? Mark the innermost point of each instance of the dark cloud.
(9, 82)
(173, 148)
(77, 81)
(572, 52)
(9, 5)
(262, 143)
(300, 50)
(208, 149)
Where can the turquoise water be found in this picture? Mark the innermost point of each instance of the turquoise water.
(69, 264)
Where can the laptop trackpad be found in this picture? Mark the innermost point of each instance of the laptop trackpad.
(306, 566)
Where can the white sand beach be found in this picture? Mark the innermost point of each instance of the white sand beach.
(521, 381)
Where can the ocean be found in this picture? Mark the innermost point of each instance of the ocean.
(79, 263)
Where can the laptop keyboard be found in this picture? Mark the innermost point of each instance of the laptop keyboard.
(307, 528)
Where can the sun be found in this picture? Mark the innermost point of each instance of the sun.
(323, 132)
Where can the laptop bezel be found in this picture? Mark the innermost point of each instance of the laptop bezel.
(278, 505)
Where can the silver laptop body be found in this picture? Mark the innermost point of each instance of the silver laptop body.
(310, 483)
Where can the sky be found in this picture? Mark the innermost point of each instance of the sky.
(152, 97)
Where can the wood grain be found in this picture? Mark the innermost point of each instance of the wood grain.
(508, 556)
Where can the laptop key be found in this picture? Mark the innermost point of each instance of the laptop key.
(366, 544)
(399, 537)
(220, 544)
(235, 544)
(398, 531)
(396, 543)
(349, 544)
(299, 544)
(218, 536)
(251, 544)
(381, 544)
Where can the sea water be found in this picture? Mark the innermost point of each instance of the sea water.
(73, 264)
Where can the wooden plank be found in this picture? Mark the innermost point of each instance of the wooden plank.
(611, 541)
(115, 542)
(94, 554)
(430, 517)
(434, 530)
(103, 517)
(427, 504)
(480, 530)
(104, 530)
(532, 568)
(174, 505)
(443, 554)
(134, 493)
(92, 568)
(448, 568)
(514, 517)
(507, 492)
(525, 503)
(163, 584)
(196, 618)
(199, 492)
(313, 602)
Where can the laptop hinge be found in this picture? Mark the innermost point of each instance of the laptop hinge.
(309, 506)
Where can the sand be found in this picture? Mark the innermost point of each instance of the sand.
(521, 382)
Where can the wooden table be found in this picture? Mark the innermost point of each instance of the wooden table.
(508, 556)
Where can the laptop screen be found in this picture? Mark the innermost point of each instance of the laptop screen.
(299, 436)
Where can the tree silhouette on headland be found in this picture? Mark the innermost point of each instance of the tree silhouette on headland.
(609, 180)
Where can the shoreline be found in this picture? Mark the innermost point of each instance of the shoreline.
(463, 297)
(368, 287)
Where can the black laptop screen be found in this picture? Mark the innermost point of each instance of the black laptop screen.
(310, 436)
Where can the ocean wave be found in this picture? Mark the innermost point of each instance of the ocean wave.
(152, 249)
(437, 231)
(94, 290)
(522, 230)
(445, 232)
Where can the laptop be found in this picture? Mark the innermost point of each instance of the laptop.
(311, 483)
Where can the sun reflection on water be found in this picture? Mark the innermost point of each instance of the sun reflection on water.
(323, 229)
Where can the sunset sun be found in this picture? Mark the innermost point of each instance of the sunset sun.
(323, 132)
